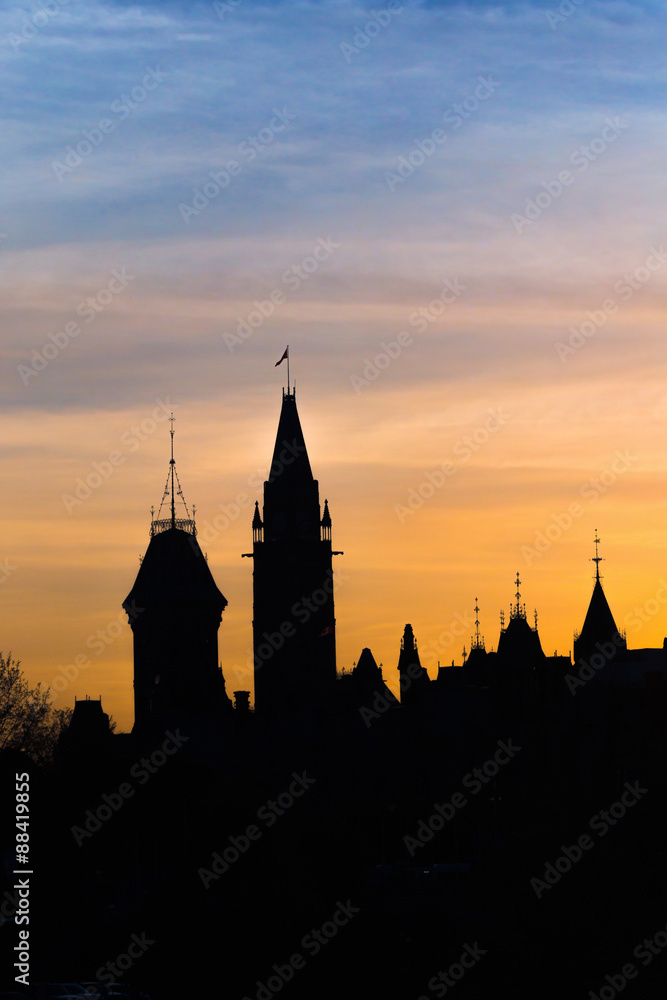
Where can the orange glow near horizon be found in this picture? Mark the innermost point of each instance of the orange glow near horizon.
(507, 506)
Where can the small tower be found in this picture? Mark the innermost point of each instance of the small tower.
(413, 678)
(175, 609)
(520, 656)
(599, 633)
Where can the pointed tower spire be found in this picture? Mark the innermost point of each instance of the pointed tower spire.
(172, 466)
(257, 524)
(597, 559)
(292, 579)
(599, 626)
(325, 523)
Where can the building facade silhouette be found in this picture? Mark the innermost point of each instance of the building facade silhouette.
(294, 624)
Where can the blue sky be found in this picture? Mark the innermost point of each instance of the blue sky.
(348, 119)
(326, 172)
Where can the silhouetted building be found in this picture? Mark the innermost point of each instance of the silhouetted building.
(175, 610)
(599, 634)
(520, 658)
(88, 731)
(432, 816)
(294, 633)
(413, 678)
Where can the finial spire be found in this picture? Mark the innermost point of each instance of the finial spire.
(596, 558)
(518, 610)
(172, 463)
(477, 641)
(257, 525)
(325, 523)
(172, 490)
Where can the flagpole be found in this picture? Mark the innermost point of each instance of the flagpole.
(288, 369)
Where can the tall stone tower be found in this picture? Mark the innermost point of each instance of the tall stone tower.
(175, 609)
(293, 621)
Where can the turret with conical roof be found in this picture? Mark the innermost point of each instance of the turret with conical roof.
(599, 629)
(174, 609)
(293, 620)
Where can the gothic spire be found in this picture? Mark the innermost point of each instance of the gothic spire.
(172, 490)
(599, 625)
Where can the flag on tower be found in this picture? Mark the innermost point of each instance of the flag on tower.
(285, 356)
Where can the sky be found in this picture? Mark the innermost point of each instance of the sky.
(453, 213)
